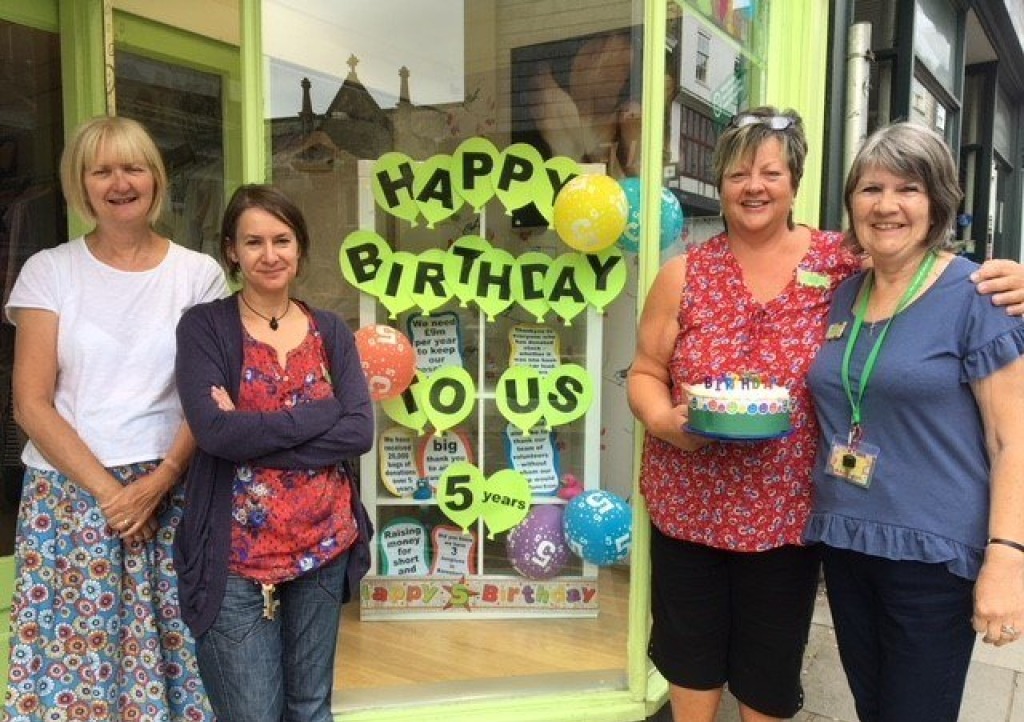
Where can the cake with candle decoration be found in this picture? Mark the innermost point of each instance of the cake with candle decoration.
(739, 406)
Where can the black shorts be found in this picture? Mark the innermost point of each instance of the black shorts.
(735, 618)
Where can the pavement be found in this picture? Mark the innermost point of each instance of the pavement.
(994, 693)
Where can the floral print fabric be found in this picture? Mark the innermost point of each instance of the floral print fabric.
(744, 496)
(287, 522)
(96, 628)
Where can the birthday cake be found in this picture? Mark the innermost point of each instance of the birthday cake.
(739, 406)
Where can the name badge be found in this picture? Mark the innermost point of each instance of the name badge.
(852, 462)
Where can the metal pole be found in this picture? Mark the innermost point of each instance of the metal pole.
(858, 82)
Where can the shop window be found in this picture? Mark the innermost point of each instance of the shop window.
(372, 92)
(936, 39)
(480, 615)
(183, 110)
(698, 146)
(32, 215)
(882, 14)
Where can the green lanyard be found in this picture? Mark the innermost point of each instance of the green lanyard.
(869, 365)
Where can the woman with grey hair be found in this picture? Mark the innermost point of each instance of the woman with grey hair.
(917, 486)
(732, 582)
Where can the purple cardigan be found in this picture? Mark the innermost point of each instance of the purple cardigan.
(309, 435)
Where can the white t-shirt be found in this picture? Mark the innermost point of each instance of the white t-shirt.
(115, 344)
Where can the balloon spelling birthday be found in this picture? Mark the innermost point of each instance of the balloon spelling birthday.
(598, 527)
(590, 213)
(537, 548)
(388, 359)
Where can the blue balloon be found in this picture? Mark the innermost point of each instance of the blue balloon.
(599, 527)
(671, 217)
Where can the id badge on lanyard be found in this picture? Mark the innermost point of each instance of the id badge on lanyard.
(851, 458)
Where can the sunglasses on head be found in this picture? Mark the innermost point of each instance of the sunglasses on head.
(775, 122)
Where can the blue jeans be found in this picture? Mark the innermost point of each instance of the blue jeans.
(904, 633)
(281, 669)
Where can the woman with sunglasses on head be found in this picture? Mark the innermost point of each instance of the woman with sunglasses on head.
(275, 395)
(733, 585)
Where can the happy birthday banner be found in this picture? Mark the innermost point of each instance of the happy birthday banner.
(475, 173)
(478, 596)
(472, 270)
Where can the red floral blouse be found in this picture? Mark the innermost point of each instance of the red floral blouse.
(744, 496)
(286, 521)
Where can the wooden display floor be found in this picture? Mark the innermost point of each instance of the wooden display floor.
(438, 652)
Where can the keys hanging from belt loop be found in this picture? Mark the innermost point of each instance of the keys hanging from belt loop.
(270, 602)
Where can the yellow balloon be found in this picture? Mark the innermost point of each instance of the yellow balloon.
(590, 213)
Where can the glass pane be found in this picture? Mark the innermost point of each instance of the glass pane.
(32, 215)
(562, 84)
(1002, 126)
(926, 109)
(183, 110)
(718, 56)
(935, 38)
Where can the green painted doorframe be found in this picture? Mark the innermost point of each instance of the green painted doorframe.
(79, 24)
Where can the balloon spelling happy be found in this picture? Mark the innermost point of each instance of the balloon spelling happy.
(388, 359)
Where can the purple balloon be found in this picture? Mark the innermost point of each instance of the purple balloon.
(537, 547)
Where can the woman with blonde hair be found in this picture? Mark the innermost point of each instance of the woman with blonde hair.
(97, 632)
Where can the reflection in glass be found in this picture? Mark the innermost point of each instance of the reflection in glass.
(183, 110)
(341, 106)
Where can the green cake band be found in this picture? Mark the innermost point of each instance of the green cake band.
(739, 425)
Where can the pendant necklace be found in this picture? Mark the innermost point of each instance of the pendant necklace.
(272, 321)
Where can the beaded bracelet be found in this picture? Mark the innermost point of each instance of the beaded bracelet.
(1007, 542)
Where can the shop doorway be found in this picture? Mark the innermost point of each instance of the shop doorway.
(32, 215)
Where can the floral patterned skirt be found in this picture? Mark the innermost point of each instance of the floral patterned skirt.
(96, 631)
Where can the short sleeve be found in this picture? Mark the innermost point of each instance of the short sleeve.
(1000, 351)
(37, 285)
(213, 284)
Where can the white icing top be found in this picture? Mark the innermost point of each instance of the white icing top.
(763, 393)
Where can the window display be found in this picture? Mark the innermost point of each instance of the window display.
(475, 480)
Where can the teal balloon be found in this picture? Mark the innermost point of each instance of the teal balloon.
(630, 238)
(672, 217)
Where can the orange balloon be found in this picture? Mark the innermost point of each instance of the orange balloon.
(388, 359)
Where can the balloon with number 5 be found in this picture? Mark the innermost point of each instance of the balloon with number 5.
(458, 493)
